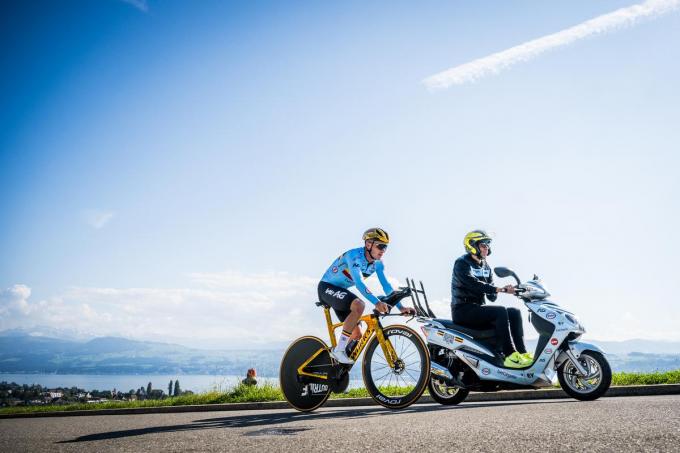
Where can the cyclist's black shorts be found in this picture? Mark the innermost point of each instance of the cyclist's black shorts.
(338, 298)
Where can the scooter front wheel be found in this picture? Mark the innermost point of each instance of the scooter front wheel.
(589, 387)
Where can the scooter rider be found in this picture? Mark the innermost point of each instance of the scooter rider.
(348, 270)
(472, 280)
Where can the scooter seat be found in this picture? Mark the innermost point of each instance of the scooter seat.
(479, 334)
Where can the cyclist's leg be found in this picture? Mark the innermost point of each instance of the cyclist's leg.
(350, 325)
(347, 306)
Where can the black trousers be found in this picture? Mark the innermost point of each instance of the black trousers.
(497, 317)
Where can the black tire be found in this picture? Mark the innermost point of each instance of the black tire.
(586, 390)
(445, 394)
(414, 369)
(304, 393)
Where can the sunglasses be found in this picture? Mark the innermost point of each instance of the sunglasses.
(381, 246)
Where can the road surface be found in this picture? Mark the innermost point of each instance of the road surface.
(649, 423)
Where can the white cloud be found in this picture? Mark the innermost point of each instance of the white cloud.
(493, 64)
(14, 302)
(141, 5)
(98, 219)
(229, 309)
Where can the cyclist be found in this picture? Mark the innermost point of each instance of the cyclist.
(471, 281)
(350, 269)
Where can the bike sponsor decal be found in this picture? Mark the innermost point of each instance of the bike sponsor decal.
(335, 269)
(541, 310)
(458, 340)
(337, 294)
(563, 329)
(311, 389)
(553, 341)
(506, 374)
(547, 351)
(486, 371)
(541, 360)
(530, 375)
(401, 332)
(440, 333)
(384, 399)
(550, 315)
(448, 338)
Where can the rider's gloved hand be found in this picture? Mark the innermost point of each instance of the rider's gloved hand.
(382, 307)
(407, 310)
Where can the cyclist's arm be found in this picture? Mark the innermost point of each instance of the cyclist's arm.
(355, 270)
(380, 271)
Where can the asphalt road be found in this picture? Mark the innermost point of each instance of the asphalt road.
(649, 423)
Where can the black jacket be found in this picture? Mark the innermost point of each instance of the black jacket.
(471, 281)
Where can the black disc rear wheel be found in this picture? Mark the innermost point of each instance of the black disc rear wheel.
(306, 393)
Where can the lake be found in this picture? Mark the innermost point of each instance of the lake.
(197, 383)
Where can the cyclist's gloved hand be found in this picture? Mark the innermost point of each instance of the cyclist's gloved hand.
(382, 307)
(408, 310)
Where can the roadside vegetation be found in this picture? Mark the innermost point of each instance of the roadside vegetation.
(268, 392)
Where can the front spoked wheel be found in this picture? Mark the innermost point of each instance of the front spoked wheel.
(401, 384)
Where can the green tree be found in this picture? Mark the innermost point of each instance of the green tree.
(170, 388)
(177, 389)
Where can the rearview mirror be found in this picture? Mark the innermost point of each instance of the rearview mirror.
(503, 272)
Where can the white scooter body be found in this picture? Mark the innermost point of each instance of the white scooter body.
(552, 350)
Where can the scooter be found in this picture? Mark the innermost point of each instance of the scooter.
(462, 359)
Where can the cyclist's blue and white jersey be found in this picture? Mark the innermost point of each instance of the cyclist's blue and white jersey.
(351, 268)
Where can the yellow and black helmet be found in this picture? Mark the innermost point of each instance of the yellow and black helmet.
(376, 234)
(473, 239)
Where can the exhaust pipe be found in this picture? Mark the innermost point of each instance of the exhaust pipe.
(440, 371)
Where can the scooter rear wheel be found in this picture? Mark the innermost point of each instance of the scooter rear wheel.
(445, 394)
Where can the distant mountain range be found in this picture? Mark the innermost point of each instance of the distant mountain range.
(30, 352)
(24, 353)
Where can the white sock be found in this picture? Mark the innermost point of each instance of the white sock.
(342, 342)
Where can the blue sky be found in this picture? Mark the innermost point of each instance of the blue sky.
(205, 162)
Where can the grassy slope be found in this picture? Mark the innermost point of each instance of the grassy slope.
(269, 392)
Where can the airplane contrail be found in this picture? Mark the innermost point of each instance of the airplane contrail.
(494, 63)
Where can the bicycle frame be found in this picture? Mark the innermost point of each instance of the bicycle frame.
(372, 327)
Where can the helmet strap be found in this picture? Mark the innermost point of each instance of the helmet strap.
(370, 251)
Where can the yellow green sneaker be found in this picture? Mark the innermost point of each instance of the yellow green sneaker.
(528, 358)
(514, 360)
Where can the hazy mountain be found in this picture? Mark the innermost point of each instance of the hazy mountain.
(112, 355)
(24, 352)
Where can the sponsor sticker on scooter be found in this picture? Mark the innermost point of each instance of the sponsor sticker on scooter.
(547, 351)
(486, 371)
(550, 315)
(553, 341)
